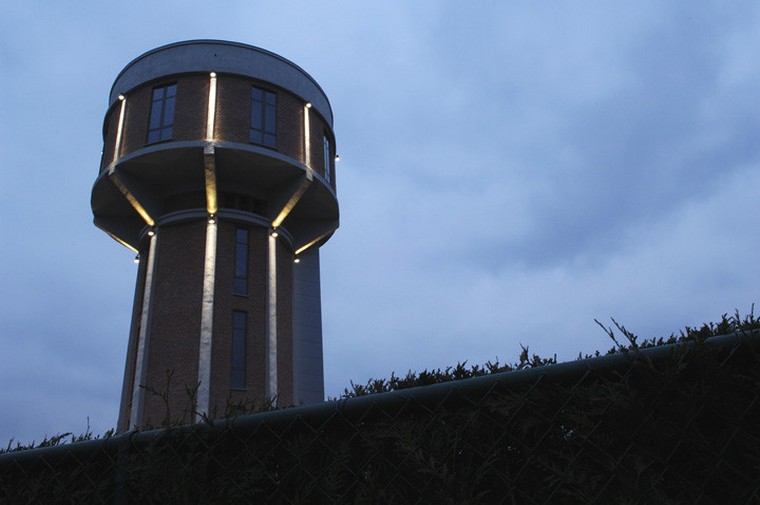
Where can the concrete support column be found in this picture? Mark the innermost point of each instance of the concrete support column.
(119, 128)
(306, 136)
(207, 321)
(271, 377)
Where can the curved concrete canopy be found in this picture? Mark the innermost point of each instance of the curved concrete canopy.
(223, 57)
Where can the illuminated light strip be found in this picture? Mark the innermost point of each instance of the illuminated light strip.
(293, 200)
(207, 321)
(141, 360)
(306, 136)
(271, 382)
(131, 199)
(121, 241)
(120, 128)
(209, 163)
(211, 107)
(209, 171)
(304, 247)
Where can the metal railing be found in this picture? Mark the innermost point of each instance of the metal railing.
(671, 424)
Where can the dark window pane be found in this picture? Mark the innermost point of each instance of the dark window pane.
(240, 283)
(263, 117)
(245, 203)
(241, 235)
(238, 354)
(161, 121)
(256, 118)
(327, 158)
(241, 265)
(155, 115)
(169, 112)
(269, 119)
(240, 287)
(238, 379)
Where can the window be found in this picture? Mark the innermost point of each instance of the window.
(263, 117)
(240, 286)
(239, 331)
(161, 123)
(327, 158)
(246, 203)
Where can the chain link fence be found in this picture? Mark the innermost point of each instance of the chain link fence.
(671, 424)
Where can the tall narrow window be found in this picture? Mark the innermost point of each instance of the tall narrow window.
(161, 123)
(240, 286)
(263, 117)
(239, 333)
(327, 158)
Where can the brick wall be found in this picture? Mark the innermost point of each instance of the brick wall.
(290, 125)
(135, 131)
(233, 109)
(191, 108)
(318, 131)
(175, 317)
(225, 302)
(233, 117)
(110, 127)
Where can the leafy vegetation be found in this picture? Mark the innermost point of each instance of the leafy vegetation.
(680, 426)
(626, 341)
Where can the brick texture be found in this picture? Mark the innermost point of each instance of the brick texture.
(191, 107)
(135, 131)
(233, 109)
(175, 318)
(233, 121)
(225, 302)
(110, 127)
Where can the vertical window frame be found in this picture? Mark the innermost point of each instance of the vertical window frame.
(238, 349)
(161, 118)
(263, 117)
(240, 278)
(328, 158)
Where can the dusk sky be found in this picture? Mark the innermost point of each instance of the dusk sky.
(509, 172)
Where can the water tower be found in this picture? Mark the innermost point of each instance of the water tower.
(218, 171)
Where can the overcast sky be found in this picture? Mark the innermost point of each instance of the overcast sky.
(509, 172)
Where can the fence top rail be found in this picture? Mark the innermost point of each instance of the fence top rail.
(357, 406)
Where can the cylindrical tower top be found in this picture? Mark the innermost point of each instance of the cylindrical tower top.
(221, 56)
(212, 127)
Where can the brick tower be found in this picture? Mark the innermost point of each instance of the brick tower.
(218, 171)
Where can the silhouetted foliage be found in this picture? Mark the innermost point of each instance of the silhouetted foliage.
(672, 425)
(726, 325)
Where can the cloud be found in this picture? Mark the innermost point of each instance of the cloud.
(509, 173)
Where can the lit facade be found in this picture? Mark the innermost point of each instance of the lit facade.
(218, 170)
